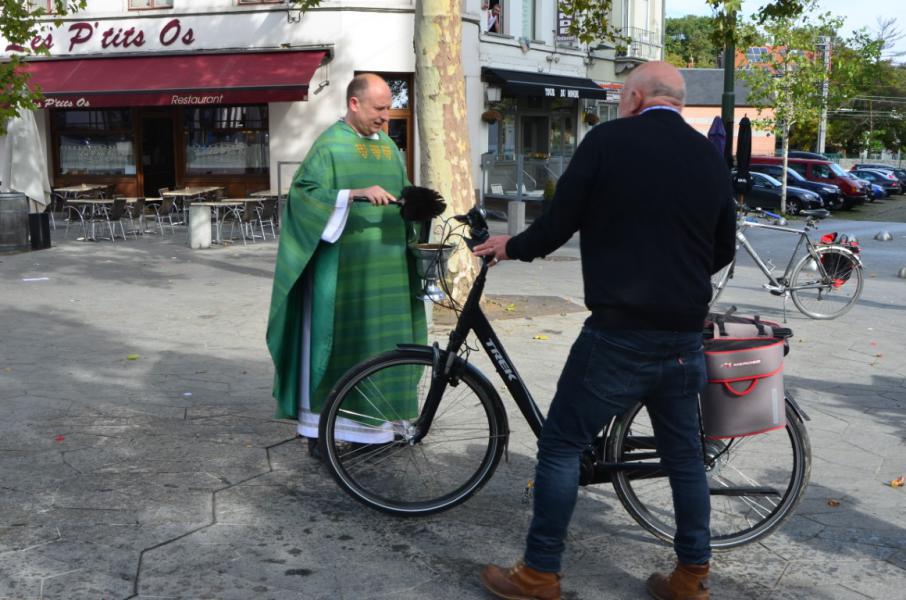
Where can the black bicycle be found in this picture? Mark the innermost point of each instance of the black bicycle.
(432, 428)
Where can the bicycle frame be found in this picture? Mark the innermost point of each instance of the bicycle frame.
(473, 319)
(780, 285)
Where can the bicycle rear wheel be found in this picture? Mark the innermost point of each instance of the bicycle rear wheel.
(371, 422)
(830, 291)
(755, 481)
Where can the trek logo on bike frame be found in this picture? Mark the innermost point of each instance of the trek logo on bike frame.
(504, 366)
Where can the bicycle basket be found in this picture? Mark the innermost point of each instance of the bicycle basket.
(744, 362)
(430, 265)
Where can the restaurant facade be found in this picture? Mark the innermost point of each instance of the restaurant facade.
(146, 94)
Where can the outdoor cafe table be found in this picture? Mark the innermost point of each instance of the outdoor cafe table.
(191, 192)
(72, 191)
(200, 220)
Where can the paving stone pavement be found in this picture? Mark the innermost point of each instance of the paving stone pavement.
(139, 457)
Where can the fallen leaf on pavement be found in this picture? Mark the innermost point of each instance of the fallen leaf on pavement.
(510, 307)
(132, 357)
(833, 503)
(898, 482)
(540, 337)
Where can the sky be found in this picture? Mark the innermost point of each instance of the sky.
(858, 14)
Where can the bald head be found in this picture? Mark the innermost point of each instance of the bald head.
(368, 100)
(652, 84)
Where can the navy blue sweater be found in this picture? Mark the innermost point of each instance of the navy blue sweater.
(652, 202)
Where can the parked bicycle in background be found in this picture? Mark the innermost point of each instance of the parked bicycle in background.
(823, 284)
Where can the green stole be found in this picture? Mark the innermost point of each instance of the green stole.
(364, 285)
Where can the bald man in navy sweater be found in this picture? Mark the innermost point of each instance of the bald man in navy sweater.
(648, 251)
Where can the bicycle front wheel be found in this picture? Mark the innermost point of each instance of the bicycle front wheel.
(755, 481)
(828, 290)
(371, 434)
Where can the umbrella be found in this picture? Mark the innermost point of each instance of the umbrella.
(23, 163)
(718, 134)
(742, 183)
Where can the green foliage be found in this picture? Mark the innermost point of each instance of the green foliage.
(790, 79)
(19, 25)
(688, 42)
(591, 21)
(304, 5)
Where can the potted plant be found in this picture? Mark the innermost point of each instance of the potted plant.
(491, 116)
(591, 119)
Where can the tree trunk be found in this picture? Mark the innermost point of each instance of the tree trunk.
(443, 133)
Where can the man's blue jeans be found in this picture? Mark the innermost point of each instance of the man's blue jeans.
(607, 372)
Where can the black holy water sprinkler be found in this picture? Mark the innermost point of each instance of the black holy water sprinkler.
(417, 203)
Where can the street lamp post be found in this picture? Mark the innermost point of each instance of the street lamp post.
(728, 99)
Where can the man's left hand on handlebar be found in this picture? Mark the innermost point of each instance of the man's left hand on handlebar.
(494, 247)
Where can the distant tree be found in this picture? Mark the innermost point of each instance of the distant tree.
(688, 42)
(21, 25)
(790, 78)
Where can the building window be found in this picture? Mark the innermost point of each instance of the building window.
(241, 2)
(145, 4)
(528, 19)
(494, 16)
(95, 142)
(227, 140)
(45, 5)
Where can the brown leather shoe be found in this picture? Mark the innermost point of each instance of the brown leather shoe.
(521, 583)
(687, 582)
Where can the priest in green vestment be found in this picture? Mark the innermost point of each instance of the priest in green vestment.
(345, 285)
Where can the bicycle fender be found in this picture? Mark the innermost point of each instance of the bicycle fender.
(796, 408)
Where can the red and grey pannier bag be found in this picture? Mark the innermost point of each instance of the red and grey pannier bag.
(744, 361)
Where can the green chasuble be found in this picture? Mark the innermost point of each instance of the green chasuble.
(363, 286)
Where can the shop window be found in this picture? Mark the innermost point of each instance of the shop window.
(227, 140)
(95, 142)
(144, 4)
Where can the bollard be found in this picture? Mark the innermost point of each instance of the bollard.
(883, 236)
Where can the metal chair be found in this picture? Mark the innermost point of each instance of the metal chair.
(244, 216)
(164, 211)
(114, 217)
(72, 213)
(265, 212)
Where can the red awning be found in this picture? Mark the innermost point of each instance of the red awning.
(175, 80)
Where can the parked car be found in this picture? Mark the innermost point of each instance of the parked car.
(830, 193)
(765, 193)
(875, 192)
(804, 154)
(897, 171)
(854, 190)
(885, 179)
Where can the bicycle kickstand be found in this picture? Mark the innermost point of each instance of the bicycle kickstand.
(785, 296)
